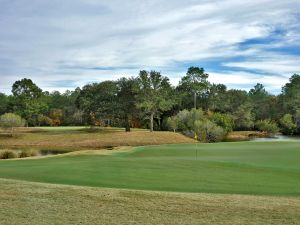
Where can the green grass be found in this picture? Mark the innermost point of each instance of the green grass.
(62, 128)
(259, 168)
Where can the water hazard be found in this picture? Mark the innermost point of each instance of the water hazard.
(278, 138)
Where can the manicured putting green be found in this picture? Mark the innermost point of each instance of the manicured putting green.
(260, 168)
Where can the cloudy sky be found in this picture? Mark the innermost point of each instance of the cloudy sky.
(64, 44)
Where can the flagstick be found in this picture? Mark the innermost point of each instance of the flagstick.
(196, 150)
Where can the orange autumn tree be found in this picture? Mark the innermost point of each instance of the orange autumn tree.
(56, 115)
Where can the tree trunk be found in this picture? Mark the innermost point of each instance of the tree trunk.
(195, 100)
(151, 122)
(127, 125)
(159, 124)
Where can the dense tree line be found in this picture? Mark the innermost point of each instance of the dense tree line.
(150, 101)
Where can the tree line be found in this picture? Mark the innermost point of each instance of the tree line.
(150, 101)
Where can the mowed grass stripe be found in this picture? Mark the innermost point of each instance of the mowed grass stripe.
(43, 204)
(259, 168)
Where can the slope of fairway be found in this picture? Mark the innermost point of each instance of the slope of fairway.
(261, 168)
(24, 203)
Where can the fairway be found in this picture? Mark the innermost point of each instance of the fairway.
(259, 168)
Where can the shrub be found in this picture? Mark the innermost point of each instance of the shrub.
(243, 118)
(267, 126)
(182, 118)
(10, 120)
(223, 120)
(195, 124)
(27, 153)
(208, 131)
(172, 123)
(297, 119)
(185, 119)
(194, 115)
(44, 120)
(8, 154)
(287, 124)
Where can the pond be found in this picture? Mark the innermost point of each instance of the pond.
(278, 137)
(50, 152)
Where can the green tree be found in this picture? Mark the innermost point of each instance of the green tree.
(3, 103)
(258, 91)
(154, 94)
(10, 121)
(67, 103)
(217, 97)
(261, 101)
(195, 83)
(28, 100)
(26, 89)
(290, 98)
(127, 91)
(243, 118)
(234, 99)
(98, 101)
(297, 119)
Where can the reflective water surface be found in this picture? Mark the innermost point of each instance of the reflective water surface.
(278, 137)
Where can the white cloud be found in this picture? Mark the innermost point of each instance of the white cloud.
(278, 65)
(245, 80)
(55, 40)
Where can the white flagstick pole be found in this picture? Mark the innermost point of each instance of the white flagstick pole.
(196, 138)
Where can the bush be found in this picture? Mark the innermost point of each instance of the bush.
(10, 120)
(195, 124)
(8, 154)
(185, 119)
(287, 124)
(182, 119)
(44, 120)
(297, 120)
(267, 126)
(172, 123)
(194, 115)
(223, 120)
(243, 118)
(208, 131)
(27, 153)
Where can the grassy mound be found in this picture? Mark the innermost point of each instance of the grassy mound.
(78, 138)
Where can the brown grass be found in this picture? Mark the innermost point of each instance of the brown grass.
(245, 135)
(34, 203)
(85, 139)
(81, 152)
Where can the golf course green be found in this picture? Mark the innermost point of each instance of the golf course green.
(256, 168)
